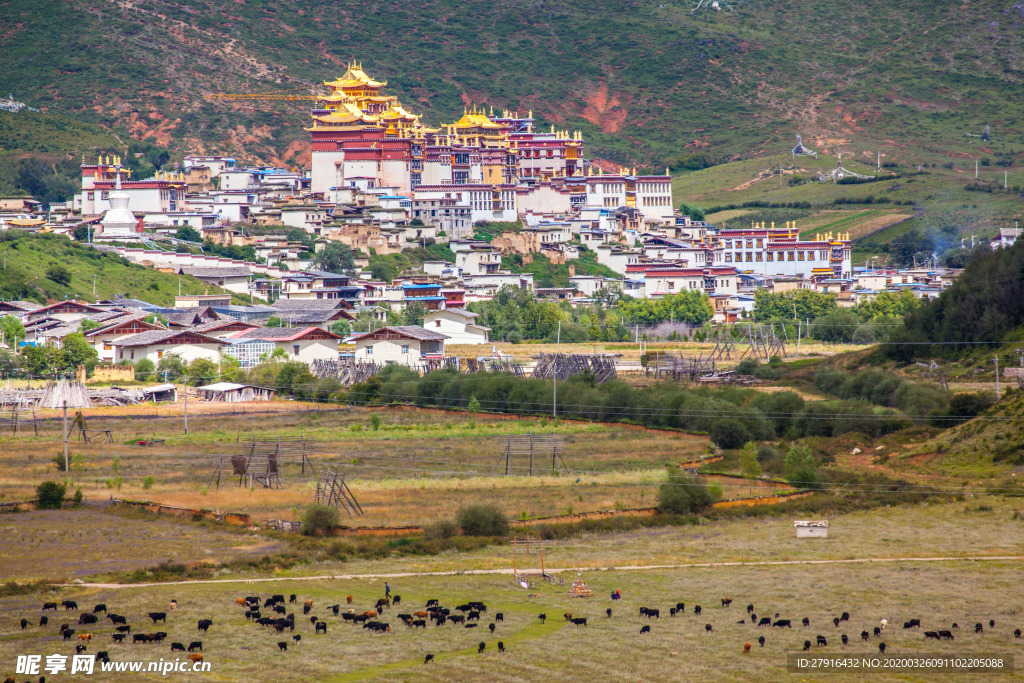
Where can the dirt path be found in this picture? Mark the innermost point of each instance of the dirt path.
(627, 567)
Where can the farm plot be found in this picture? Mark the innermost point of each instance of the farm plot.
(680, 647)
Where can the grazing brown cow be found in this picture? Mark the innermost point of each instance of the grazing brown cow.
(85, 636)
(369, 614)
(195, 657)
(421, 615)
(308, 603)
(746, 648)
(726, 602)
(241, 602)
(348, 599)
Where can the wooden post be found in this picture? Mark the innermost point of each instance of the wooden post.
(186, 405)
(531, 454)
(67, 466)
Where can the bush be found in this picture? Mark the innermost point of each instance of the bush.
(317, 519)
(148, 481)
(144, 370)
(483, 519)
(50, 495)
(442, 528)
(728, 433)
(78, 497)
(747, 366)
(801, 468)
(684, 494)
(767, 372)
(59, 274)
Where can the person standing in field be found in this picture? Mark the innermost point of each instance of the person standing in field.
(387, 590)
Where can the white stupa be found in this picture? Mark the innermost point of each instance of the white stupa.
(118, 222)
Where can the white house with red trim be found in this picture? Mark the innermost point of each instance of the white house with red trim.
(458, 324)
(403, 344)
(305, 344)
(155, 344)
(103, 339)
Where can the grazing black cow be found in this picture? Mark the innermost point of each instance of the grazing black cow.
(117, 619)
(608, 611)
(397, 599)
(463, 608)
(80, 648)
(844, 639)
(307, 608)
(501, 646)
(807, 645)
(336, 609)
(43, 621)
(177, 647)
(760, 641)
(139, 638)
(877, 631)
(253, 599)
(67, 633)
(835, 622)
(991, 623)
(473, 616)
(1016, 633)
(277, 598)
(726, 602)
(49, 605)
(708, 628)
(753, 618)
(955, 625)
(481, 647)
(283, 645)
(158, 616)
(864, 635)
(99, 608)
(931, 634)
(86, 618)
(783, 623)
(542, 617)
(432, 603)
(806, 621)
(750, 608)
(457, 619)
(297, 637)
(157, 637)
(64, 627)
(646, 612)
(491, 627)
(579, 621)
(978, 628)
(881, 648)
(205, 624)
(195, 645)
(292, 598)
(696, 610)
(501, 617)
(280, 609)
(69, 604)
(421, 623)
(645, 629)
(471, 625)
(822, 641)
(845, 616)
(252, 615)
(441, 619)
(680, 607)
(24, 624)
(912, 623)
(479, 606)
(124, 629)
(102, 656)
(314, 619)
(947, 635)
(321, 626)
(765, 621)
(428, 659)
(118, 637)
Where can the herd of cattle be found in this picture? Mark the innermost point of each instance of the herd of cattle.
(468, 615)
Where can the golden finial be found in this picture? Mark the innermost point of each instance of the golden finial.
(666, 170)
(530, 115)
(773, 225)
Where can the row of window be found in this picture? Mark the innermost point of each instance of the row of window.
(656, 201)
(756, 256)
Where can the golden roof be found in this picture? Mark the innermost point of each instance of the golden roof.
(397, 111)
(476, 119)
(347, 113)
(355, 77)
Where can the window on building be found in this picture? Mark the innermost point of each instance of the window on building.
(295, 349)
(759, 256)
(790, 256)
(437, 323)
(405, 348)
(799, 256)
(671, 285)
(771, 256)
(160, 353)
(369, 350)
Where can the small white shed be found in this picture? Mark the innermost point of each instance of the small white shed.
(811, 529)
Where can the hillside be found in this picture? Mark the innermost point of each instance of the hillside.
(648, 82)
(27, 258)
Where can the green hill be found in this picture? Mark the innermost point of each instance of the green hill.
(647, 81)
(28, 260)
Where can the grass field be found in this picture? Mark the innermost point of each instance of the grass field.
(939, 593)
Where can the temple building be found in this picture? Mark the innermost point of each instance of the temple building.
(361, 136)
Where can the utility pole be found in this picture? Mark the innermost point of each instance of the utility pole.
(558, 339)
(67, 465)
(94, 287)
(186, 405)
(975, 169)
(996, 361)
